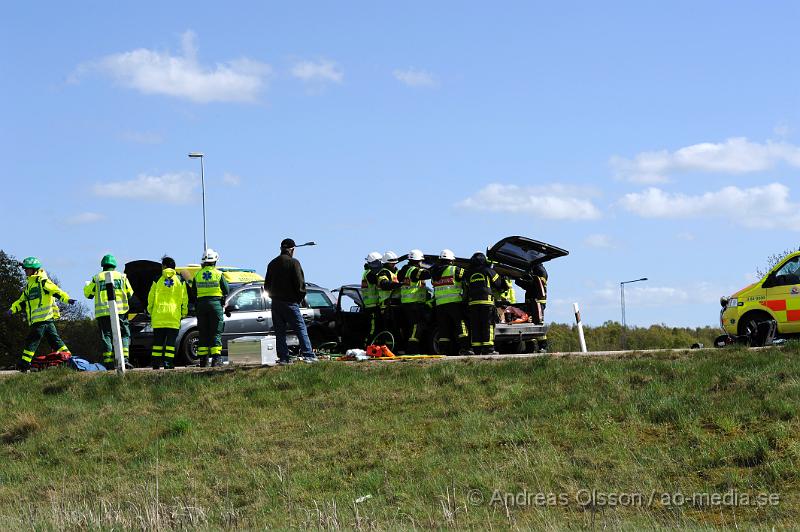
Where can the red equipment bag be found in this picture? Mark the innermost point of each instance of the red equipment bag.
(50, 360)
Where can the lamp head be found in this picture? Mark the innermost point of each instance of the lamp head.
(196, 155)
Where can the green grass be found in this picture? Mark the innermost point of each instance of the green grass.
(298, 446)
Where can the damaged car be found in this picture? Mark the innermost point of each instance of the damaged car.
(514, 257)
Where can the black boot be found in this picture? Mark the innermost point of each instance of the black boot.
(23, 366)
(204, 361)
(216, 361)
(156, 363)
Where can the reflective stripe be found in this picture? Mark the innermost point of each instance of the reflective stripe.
(412, 291)
(369, 291)
(120, 282)
(464, 332)
(207, 281)
(384, 295)
(39, 302)
(446, 289)
(27, 356)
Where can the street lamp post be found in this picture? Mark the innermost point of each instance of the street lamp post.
(622, 303)
(199, 155)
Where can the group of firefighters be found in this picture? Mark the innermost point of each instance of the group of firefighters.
(168, 303)
(395, 300)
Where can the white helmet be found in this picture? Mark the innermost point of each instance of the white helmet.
(446, 254)
(210, 256)
(389, 256)
(373, 256)
(415, 254)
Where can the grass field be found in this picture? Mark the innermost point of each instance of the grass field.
(501, 444)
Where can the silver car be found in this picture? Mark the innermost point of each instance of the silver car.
(248, 312)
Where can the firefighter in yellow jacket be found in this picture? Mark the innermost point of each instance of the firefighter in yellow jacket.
(167, 304)
(96, 289)
(38, 302)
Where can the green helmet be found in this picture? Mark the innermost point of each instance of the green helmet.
(108, 260)
(31, 263)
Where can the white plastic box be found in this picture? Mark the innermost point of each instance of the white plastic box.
(253, 351)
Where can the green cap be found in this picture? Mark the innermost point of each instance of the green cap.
(108, 260)
(31, 263)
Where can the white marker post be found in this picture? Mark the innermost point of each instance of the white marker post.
(580, 327)
(116, 334)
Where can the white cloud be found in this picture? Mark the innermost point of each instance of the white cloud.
(685, 235)
(85, 218)
(155, 72)
(756, 207)
(320, 71)
(734, 156)
(167, 188)
(599, 241)
(415, 78)
(231, 180)
(553, 202)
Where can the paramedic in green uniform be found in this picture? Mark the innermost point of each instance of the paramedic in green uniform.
(210, 289)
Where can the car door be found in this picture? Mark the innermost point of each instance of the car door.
(352, 320)
(322, 311)
(783, 295)
(246, 314)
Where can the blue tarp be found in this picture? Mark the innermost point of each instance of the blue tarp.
(81, 364)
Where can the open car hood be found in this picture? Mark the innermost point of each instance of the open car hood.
(503, 269)
(512, 256)
(141, 274)
(522, 253)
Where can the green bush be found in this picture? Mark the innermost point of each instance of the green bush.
(608, 337)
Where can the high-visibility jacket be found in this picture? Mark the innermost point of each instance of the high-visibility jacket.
(447, 284)
(209, 282)
(369, 288)
(96, 289)
(481, 284)
(413, 289)
(508, 293)
(543, 298)
(168, 301)
(38, 298)
(387, 286)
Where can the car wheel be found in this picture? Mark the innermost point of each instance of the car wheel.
(188, 348)
(749, 328)
(435, 346)
(515, 347)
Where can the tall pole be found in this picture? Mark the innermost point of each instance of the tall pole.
(203, 187)
(199, 155)
(622, 304)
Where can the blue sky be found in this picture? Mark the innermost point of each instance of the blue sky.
(656, 140)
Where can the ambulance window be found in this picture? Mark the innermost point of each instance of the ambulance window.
(788, 273)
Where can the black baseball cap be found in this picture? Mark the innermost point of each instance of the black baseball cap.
(287, 243)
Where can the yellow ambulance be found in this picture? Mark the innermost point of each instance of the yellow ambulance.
(774, 297)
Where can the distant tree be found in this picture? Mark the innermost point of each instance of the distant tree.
(12, 328)
(773, 261)
(77, 311)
